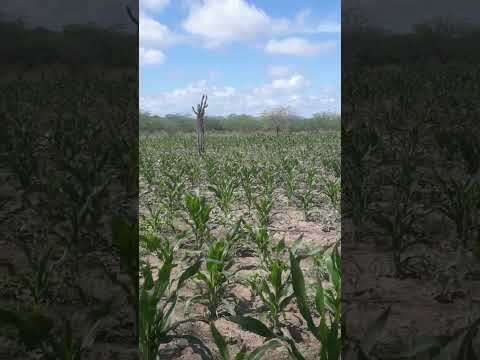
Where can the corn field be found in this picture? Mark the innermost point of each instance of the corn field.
(240, 248)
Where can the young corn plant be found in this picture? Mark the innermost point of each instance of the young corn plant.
(246, 179)
(364, 349)
(157, 219)
(327, 305)
(224, 190)
(256, 354)
(267, 181)
(399, 228)
(274, 290)
(39, 332)
(263, 208)
(357, 200)
(262, 241)
(172, 187)
(194, 173)
(199, 214)
(211, 167)
(332, 189)
(39, 278)
(257, 327)
(334, 165)
(215, 277)
(147, 166)
(459, 345)
(461, 204)
(306, 197)
(266, 250)
(290, 184)
(156, 304)
(290, 168)
(160, 247)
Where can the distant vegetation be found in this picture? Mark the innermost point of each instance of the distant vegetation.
(437, 41)
(176, 123)
(23, 46)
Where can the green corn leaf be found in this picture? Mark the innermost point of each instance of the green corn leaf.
(248, 323)
(260, 351)
(320, 300)
(298, 283)
(220, 342)
(421, 345)
(373, 333)
(188, 273)
(242, 355)
(333, 343)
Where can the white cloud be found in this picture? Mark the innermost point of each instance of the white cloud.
(151, 56)
(295, 82)
(278, 70)
(226, 92)
(298, 47)
(294, 91)
(220, 21)
(188, 92)
(303, 25)
(329, 27)
(154, 39)
(155, 34)
(154, 5)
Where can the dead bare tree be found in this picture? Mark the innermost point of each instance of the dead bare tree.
(200, 113)
(278, 118)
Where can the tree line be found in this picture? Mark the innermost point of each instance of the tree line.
(277, 120)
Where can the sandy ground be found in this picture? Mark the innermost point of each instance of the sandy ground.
(288, 223)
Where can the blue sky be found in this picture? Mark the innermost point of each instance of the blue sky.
(248, 56)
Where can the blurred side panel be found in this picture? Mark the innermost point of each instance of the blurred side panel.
(69, 188)
(411, 190)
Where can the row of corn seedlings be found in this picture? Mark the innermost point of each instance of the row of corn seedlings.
(203, 215)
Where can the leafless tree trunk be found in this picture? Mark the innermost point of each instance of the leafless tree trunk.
(200, 113)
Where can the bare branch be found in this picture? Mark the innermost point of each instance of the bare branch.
(200, 112)
(130, 15)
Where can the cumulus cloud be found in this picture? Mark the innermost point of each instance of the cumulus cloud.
(228, 91)
(298, 47)
(151, 56)
(294, 83)
(278, 70)
(220, 21)
(155, 34)
(329, 27)
(154, 5)
(154, 39)
(294, 91)
(304, 25)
